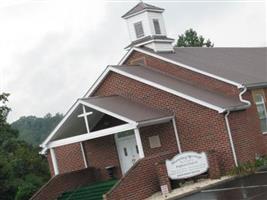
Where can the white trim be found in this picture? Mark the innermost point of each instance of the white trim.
(230, 137)
(110, 68)
(154, 121)
(139, 143)
(142, 11)
(176, 135)
(97, 82)
(74, 106)
(152, 40)
(107, 112)
(77, 103)
(83, 155)
(156, 85)
(180, 65)
(54, 161)
(91, 135)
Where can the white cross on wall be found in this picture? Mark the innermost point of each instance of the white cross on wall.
(84, 115)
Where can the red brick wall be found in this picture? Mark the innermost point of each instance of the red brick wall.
(141, 181)
(64, 182)
(102, 152)
(69, 158)
(167, 138)
(247, 135)
(180, 72)
(199, 128)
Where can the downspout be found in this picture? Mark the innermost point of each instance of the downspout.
(248, 104)
(230, 137)
(241, 98)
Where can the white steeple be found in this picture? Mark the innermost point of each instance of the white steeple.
(146, 27)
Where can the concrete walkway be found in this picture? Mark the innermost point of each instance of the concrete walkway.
(189, 188)
(252, 187)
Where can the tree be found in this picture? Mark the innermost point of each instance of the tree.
(22, 169)
(34, 129)
(191, 39)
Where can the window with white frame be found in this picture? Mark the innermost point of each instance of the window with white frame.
(156, 26)
(261, 108)
(139, 31)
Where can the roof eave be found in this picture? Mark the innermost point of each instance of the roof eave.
(126, 16)
(256, 85)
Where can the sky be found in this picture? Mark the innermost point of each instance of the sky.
(52, 51)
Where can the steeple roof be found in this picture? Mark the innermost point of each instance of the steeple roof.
(142, 7)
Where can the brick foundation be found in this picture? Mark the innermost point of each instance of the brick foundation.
(140, 182)
(63, 183)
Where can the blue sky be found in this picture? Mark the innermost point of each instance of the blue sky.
(53, 50)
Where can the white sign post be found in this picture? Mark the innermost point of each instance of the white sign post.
(186, 165)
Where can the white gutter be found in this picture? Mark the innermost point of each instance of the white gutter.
(241, 98)
(230, 137)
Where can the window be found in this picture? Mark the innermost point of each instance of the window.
(139, 31)
(259, 100)
(156, 26)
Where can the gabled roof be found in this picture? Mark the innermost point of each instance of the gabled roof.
(159, 80)
(181, 88)
(243, 66)
(133, 113)
(127, 108)
(142, 7)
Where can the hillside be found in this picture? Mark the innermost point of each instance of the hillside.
(33, 129)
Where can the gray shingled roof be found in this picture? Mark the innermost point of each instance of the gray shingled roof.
(127, 108)
(149, 38)
(246, 66)
(140, 7)
(222, 101)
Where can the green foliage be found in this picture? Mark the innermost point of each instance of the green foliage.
(35, 129)
(191, 39)
(249, 167)
(22, 169)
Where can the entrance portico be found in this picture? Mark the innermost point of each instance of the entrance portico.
(112, 119)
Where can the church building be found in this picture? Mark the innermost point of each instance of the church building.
(159, 101)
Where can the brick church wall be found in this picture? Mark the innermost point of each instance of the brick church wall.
(100, 153)
(247, 135)
(69, 158)
(199, 128)
(167, 138)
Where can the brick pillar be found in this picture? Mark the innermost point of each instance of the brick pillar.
(214, 167)
(163, 179)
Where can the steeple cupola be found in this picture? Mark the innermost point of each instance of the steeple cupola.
(146, 28)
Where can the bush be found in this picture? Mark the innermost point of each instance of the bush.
(249, 167)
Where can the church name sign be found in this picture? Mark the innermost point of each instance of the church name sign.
(186, 165)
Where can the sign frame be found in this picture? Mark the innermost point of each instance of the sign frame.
(186, 165)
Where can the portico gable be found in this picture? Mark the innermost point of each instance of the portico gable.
(97, 117)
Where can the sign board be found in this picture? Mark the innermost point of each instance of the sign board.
(186, 165)
(164, 190)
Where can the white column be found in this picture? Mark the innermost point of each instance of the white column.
(54, 161)
(139, 143)
(176, 135)
(83, 154)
